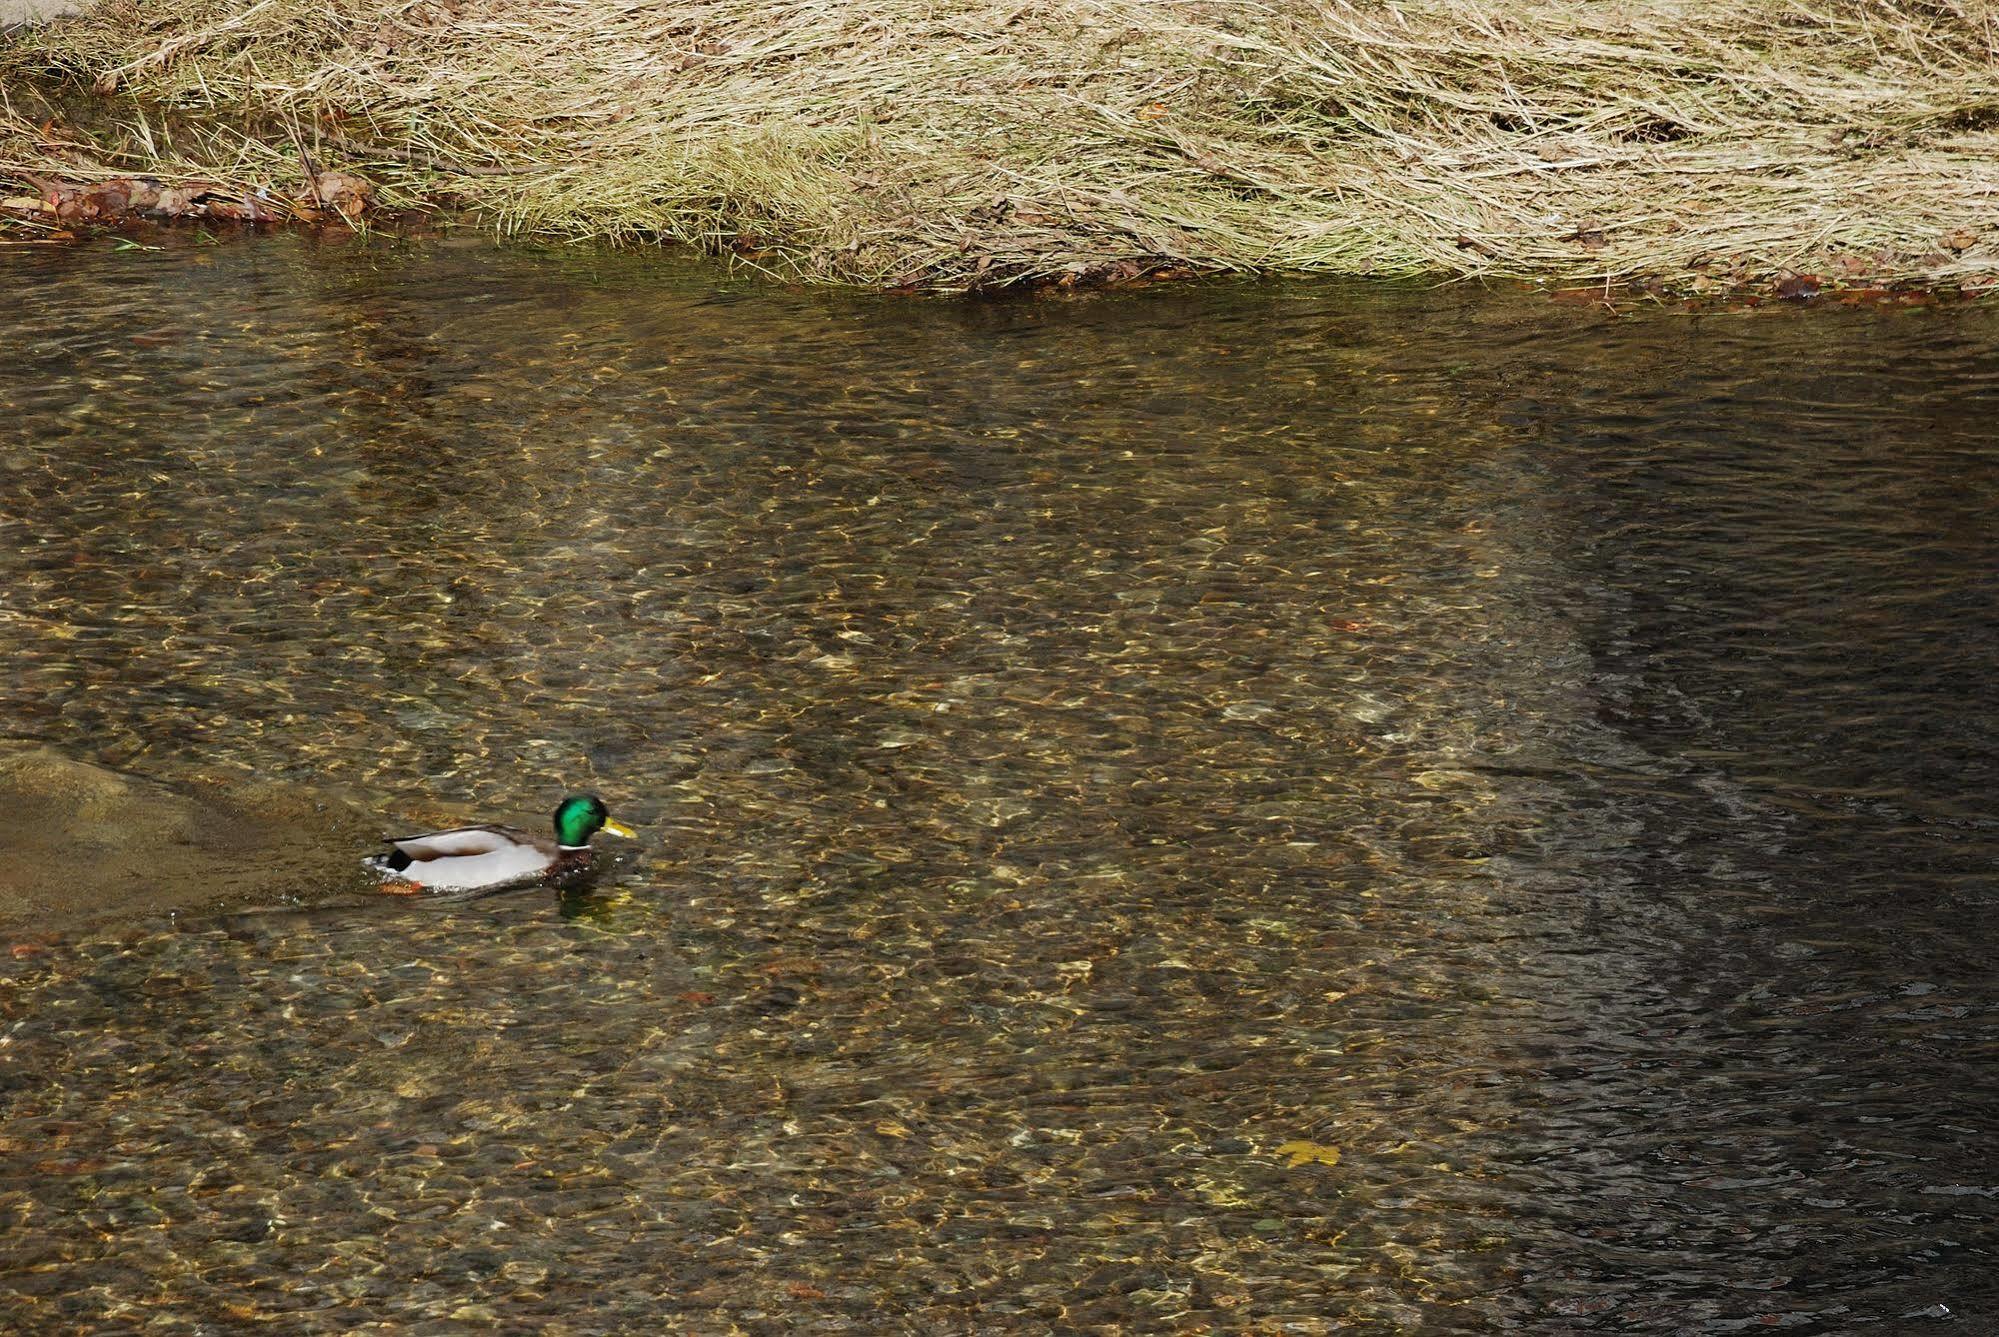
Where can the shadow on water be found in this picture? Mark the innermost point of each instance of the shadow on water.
(1083, 746)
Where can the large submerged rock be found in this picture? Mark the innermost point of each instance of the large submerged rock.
(81, 844)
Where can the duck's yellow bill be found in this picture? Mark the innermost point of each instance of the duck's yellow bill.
(620, 829)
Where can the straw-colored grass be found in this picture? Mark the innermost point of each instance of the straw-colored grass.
(957, 143)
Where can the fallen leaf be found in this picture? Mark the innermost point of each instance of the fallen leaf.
(347, 194)
(105, 200)
(173, 201)
(183, 200)
(1309, 1153)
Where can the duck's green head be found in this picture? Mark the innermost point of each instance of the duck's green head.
(581, 816)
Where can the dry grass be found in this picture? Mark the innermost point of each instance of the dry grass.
(958, 143)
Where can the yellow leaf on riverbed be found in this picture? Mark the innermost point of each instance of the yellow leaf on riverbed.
(1309, 1153)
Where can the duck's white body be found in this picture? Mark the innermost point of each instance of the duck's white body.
(471, 858)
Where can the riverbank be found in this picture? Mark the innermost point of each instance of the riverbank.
(1689, 150)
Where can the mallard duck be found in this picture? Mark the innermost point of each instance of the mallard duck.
(491, 858)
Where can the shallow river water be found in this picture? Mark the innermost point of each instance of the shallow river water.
(1262, 808)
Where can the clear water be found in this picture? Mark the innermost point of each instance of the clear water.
(1082, 747)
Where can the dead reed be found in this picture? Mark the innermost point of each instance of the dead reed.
(952, 144)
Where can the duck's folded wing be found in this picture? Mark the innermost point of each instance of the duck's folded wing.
(472, 858)
(465, 841)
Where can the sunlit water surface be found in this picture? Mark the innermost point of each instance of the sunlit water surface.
(1083, 746)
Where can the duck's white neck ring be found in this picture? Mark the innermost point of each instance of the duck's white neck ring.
(572, 849)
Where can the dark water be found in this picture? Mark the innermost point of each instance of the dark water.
(1082, 747)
